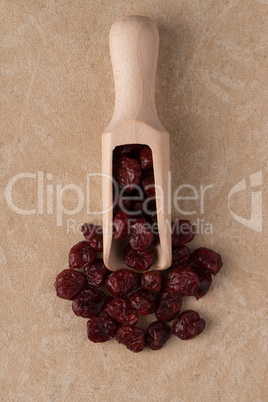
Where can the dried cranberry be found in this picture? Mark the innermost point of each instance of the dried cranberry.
(152, 280)
(141, 235)
(182, 232)
(123, 204)
(188, 325)
(121, 282)
(205, 282)
(139, 260)
(101, 329)
(127, 173)
(96, 273)
(93, 235)
(88, 303)
(146, 158)
(128, 149)
(131, 337)
(69, 284)
(181, 255)
(147, 182)
(208, 260)
(120, 226)
(121, 311)
(169, 305)
(80, 255)
(157, 335)
(183, 280)
(143, 301)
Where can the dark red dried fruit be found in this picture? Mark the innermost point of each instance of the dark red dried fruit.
(131, 337)
(122, 282)
(146, 158)
(183, 280)
(157, 335)
(88, 303)
(143, 301)
(169, 305)
(152, 280)
(96, 273)
(131, 150)
(188, 325)
(141, 236)
(208, 260)
(139, 260)
(205, 282)
(147, 182)
(101, 329)
(121, 226)
(181, 255)
(182, 232)
(93, 235)
(127, 173)
(124, 204)
(80, 255)
(121, 311)
(69, 284)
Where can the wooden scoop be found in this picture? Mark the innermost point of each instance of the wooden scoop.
(134, 42)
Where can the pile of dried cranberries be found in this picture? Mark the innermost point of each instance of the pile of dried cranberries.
(125, 295)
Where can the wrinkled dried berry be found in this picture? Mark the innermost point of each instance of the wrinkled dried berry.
(81, 255)
(131, 337)
(69, 284)
(122, 282)
(208, 260)
(169, 305)
(143, 301)
(124, 204)
(188, 325)
(121, 311)
(205, 282)
(139, 260)
(182, 232)
(93, 235)
(141, 235)
(148, 185)
(181, 255)
(183, 280)
(131, 150)
(96, 273)
(157, 335)
(89, 303)
(127, 173)
(146, 158)
(101, 329)
(152, 280)
(120, 226)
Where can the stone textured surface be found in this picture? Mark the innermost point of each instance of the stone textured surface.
(56, 99)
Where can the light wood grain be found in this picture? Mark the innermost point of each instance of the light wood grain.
(134, 45)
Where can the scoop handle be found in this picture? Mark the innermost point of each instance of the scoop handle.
(134, 43)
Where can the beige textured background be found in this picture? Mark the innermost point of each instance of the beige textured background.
(56, 99)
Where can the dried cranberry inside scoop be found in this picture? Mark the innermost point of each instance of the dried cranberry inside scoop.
(188, 325)
(140, 260)
(80, 255)
(121, 225)
(127, 173)
(141, 236)
(146, 158)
